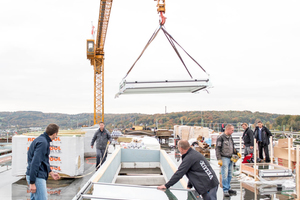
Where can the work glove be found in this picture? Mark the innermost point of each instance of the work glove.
(220, 162)
(234, 158)
(239, 155)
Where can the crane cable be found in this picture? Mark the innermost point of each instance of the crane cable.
(171, 41)
(148, 43)
(175, 49)
(184, 50)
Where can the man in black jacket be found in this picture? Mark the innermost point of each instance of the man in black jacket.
(198, 170)
(262, 135)
(248, 139)
(102, 138)
(38, 167)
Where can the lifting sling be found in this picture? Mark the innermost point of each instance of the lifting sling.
(171, 41)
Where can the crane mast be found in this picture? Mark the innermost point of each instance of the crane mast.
(95, 53)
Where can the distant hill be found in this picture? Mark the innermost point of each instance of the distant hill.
(26, 119)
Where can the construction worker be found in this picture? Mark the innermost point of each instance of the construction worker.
(248, 139)
(198, 170)
(102, 138)
(38, 168)
(225, 151)
(262, 135)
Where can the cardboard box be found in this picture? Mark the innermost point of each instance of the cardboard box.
(283, 153)
(283, 143)
(184, 132)
(176, 131)
(199, 131)
(285, 163)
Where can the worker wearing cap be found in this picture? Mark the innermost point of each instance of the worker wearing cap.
(224, 151)
(198, 170)
(102, 138)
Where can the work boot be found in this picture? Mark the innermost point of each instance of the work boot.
(232, 192)
(226, 194)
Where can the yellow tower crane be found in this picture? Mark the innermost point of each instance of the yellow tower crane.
(95, 53)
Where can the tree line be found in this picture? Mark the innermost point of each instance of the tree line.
(26, 119)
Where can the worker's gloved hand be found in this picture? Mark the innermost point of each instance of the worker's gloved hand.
(220, 162)
(239, 155)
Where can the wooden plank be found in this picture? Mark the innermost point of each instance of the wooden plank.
(298, 171)
(248, 169)
(255, 158)
(271, 147)
(249, 187)
(289, 153)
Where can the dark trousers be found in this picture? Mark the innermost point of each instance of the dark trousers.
(263, 147)
(211, 194)
(100, 153)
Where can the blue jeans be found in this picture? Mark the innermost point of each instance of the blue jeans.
(226, 171)
(41, 189)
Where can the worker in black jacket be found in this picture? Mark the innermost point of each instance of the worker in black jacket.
(262, 135)
(248, 139)
(198, 170)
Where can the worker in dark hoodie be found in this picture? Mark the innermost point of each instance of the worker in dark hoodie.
(38, 168)
(198, 170)
(248, 139)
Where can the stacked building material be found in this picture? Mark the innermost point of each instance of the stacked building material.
(197, 131)
(189, 132)
(66, 153)
(184, 132)
(89, 134)
(281, 150)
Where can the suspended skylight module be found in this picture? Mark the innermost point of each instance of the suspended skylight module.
(154, 87)
(165, 86)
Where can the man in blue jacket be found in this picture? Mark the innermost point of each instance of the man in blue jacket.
(38, 167)
(198, 170)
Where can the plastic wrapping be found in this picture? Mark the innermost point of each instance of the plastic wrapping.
(184, 132)
(66, 154)
(89, 134)
(197, 131)
(189, 132)
(141, 143)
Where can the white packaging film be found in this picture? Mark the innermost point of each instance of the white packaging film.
(89, 134)
(189, 132)
(66, 154)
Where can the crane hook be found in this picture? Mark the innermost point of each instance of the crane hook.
(162, 18)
